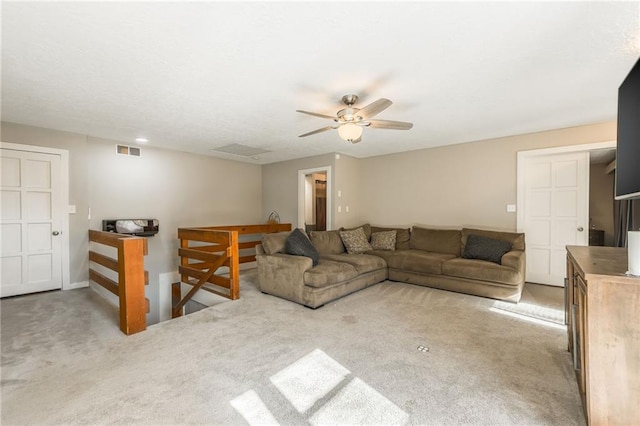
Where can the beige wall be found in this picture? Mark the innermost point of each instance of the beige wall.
(176, 188)
(347, 194)
(451, 186)
(601, 200)
(280, 186)
(459, 185)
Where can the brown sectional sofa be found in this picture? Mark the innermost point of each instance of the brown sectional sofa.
(428, 257)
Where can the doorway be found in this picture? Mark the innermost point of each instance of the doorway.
(314, 199)
(553, 207)
(316, 202)
(33, 222)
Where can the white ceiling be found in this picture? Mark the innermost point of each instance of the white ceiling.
(197, 76)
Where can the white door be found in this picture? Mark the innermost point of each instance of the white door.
(556, 209)
(30, 222)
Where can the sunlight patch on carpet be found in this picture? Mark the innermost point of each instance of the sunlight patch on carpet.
(531, 310)
(359, 404)
(527, 318)
(309, 379)
(322, 390)
(251, 407)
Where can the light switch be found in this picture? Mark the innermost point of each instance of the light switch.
(511, 208)
(347, 209)
(339, 193)
(72, 208)
(339, 209)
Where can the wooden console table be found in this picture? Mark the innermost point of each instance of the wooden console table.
(602, 307)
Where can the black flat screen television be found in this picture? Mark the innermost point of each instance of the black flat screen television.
(628, 148)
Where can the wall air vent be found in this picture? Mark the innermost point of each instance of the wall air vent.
(133, 151)
(242, 150)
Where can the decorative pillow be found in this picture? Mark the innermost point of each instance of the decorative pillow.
(402, 236)
(516, 239)
(298, 244)
(385, 240)
(366, 228)
(485, 248)
(355, 241)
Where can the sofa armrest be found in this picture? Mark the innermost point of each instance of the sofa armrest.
(282, 275)
(515, 259)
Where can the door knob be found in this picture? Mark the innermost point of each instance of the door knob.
(580, 229)
(55, 233)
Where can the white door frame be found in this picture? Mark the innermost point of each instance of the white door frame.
(64, 196)
(523, 156)
(301, 178)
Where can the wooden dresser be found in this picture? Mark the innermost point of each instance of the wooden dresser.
(602, 311)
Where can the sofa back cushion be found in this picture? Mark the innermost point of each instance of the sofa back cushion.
(327, 242)
(274, 243)
(515, 238)
(447, 241)
(402, 236)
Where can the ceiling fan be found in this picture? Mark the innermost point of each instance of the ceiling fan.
(351, 120)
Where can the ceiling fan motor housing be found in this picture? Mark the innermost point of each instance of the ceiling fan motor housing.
(349, 100)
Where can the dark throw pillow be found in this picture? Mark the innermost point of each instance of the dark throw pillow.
(299, 245)
(485, 248)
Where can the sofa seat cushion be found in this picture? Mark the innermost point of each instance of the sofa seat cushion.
(386, 254)
(329, 272)
(481, 270)
(362, 262)
(424, 262)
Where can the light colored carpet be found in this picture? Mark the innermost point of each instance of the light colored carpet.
(541, 302)
(65, 362)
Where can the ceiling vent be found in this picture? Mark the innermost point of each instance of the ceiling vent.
(242, 150)
(133, 151)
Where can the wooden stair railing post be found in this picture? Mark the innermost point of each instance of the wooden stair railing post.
(131, 282)
(234, 266)
(176, 295)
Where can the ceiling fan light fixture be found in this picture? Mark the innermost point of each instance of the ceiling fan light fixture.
(350, 132)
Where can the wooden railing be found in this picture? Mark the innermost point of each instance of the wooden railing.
(204, 250)
(129, 265)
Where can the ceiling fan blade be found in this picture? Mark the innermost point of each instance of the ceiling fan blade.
(374, 108)
(315, 114)
(324, 129)
(388, 124)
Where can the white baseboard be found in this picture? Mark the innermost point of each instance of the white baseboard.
(79, 284)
